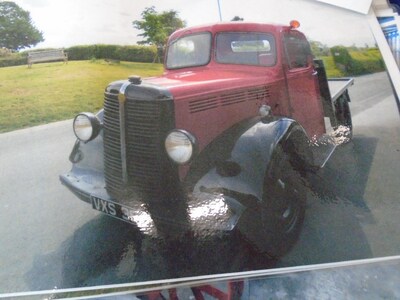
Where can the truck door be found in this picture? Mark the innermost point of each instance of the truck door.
(302, 84)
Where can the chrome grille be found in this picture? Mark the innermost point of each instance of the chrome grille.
(147, 123)
(112, 144)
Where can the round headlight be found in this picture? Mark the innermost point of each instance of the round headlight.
(180, 146)
(86, 126)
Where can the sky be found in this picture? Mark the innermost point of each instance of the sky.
(83, 22)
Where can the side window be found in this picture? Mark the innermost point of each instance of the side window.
(297, 50)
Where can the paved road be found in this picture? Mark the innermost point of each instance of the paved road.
(353, 208)
(49, 239)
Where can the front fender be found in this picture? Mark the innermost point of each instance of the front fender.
(223, 181)
(86, 175)
(238, 160)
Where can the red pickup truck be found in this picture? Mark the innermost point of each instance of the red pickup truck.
(222, 141)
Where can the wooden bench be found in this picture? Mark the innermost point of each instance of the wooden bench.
(47, 55)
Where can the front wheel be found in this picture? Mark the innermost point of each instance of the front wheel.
(282, 212)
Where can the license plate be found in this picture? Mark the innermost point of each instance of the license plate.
(112, 209)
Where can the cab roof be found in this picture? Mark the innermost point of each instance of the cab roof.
(230, 26)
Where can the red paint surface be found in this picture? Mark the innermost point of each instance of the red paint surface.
(201, 93)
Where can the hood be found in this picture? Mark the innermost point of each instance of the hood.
(184, 84)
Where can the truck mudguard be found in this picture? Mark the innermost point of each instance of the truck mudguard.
(237, 166)
(236, 163)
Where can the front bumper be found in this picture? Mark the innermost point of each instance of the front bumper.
(84, 183)
(201, 211)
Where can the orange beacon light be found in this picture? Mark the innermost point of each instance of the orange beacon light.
(294, 24)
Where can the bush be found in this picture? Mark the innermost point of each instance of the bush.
(13, 60)
(137, 53)
(367, 61)
(105, 51)
(89, 52)
(81, 52)
(115, 52)
(357, 61)
(5, 52)
(342, 58)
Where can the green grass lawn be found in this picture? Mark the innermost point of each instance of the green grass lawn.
(331, 70)
(55, 91)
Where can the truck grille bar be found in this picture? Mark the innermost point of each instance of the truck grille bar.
(134, 135)
(122, 100)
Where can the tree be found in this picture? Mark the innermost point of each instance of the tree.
(16, 28)
(157, 27)
(319, 49)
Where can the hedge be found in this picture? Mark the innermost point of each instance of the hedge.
(100, 51)
(123, 53)
(349, 63)
(331, 70)
(81, 52)
(357, 62)
(137, 53)
(13, 60)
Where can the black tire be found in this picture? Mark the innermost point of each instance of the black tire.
(344, 128)
(283, 208)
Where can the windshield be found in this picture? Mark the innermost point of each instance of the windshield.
(246, 48)
(189, 51)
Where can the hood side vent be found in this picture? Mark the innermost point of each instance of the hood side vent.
(203, 104)
(259, 93)
(235, 97)
(232, 98)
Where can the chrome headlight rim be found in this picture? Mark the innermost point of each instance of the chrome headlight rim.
(92, 121)
(193, 146)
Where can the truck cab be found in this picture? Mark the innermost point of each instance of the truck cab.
(273, 62)
(222, 141)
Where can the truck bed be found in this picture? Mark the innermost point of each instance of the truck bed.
(326, 144)
(338, 85)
